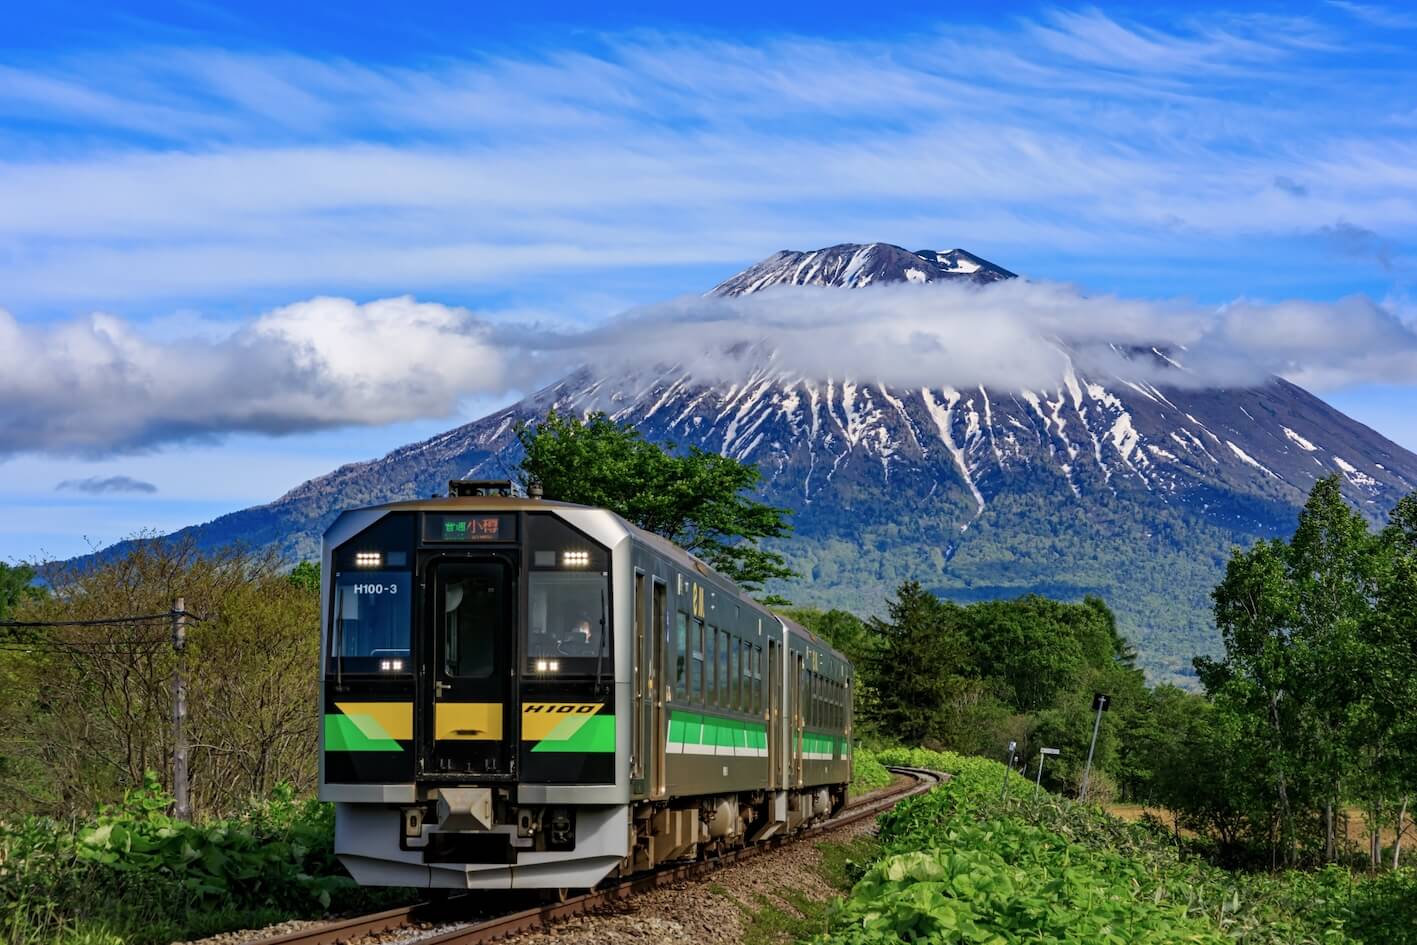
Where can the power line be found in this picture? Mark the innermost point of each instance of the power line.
(100, 622)
(80, 644)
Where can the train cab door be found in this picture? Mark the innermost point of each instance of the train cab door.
(644, 643)
(799, 673)
(466, 727)
(659, 684)
(774, 719)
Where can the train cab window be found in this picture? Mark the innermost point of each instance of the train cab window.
(567, 621)
(681, 656)
(370, 627)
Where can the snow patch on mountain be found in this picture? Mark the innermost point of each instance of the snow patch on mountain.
(1249, 460)
(1303, 444)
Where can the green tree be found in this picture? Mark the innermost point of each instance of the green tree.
(1297, 621)
(840, 628)
(85, 711)
(1392, 683)
(917, 666)
(16, 585)
(695, 499)
(306, 576)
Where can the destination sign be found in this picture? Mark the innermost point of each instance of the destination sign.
(461, 527)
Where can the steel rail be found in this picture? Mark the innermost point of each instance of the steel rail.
(475, 932)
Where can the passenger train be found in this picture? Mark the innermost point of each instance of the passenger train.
(527, 694)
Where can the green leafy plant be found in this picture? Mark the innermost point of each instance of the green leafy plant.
(960, 865)
(135, 874)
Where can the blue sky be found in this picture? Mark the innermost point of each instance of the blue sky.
(177, 175)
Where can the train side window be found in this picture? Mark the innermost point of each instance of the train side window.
(816, 699)
(811, 699)
(696, 663)
(710, 684)
(748, 688)
(748, 676)
(681, 657)
(721, 654)
(747, 650)
(811, 702)
(817, 693)
(733, 670)
(757, 679)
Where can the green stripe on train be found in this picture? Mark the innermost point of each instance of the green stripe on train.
(586, 734)
(692, 728)
(343, 733)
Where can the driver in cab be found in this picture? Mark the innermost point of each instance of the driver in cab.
(576, 640)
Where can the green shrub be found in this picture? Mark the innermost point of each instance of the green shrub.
(867, 773)
(134, 874)
(960, 865)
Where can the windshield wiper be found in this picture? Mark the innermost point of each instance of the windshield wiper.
(600, 654)
(339, 637)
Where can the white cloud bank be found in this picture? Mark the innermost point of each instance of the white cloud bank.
(100, 385)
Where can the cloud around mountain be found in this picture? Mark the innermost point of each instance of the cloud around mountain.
(102, 385)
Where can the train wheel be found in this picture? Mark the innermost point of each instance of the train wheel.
(554, 896)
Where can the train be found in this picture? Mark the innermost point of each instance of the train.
(520, 693)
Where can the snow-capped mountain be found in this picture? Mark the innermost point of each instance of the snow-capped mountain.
(854, 265)
(1099, 485)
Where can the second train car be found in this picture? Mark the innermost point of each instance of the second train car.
(520, 693)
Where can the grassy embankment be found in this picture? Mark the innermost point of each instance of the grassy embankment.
(135, 876)
(958, 865)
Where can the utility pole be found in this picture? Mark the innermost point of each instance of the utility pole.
(1008, 766)
(1100, 701)
(179, 711)
(1038, 785)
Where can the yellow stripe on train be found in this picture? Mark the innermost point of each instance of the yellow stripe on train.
(539, 718)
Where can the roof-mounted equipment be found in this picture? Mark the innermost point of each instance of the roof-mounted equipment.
(474, 488)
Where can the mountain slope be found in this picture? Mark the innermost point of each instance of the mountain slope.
(1109, 486)
(853, 265)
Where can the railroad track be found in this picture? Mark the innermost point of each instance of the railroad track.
(477, 931)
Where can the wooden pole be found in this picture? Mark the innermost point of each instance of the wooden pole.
(183, 806)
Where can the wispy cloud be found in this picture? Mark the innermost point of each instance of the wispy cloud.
(1359, 243)
(95, 485)
(1377, 15)
(184, 173)
(98, 386)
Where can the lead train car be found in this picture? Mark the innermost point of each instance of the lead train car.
(528, 694)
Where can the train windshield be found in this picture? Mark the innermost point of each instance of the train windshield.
(566, 623)
(370, 626)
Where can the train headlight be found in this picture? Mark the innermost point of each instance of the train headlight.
(368, 559)
(391, 666)
(548, 666)
(575, 559)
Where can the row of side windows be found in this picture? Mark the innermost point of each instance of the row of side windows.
(714, 667)
(827, 701)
